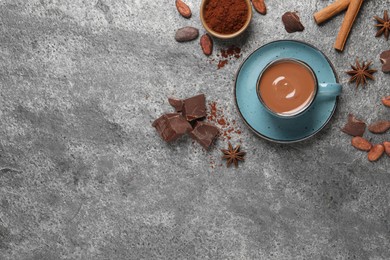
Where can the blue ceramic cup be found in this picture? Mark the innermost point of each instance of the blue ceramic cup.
(321, 90)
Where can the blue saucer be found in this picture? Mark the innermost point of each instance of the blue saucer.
(256, 115)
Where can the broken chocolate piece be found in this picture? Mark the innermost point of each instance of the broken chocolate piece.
(171, 126)
(204, 134)
(354, 126)
(176, 103)
(292, 23)
(385, 60)
(194, 107)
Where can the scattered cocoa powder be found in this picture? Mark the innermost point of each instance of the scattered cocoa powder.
(222, 63)
(226, 55)
(212, 161)
(229, 129)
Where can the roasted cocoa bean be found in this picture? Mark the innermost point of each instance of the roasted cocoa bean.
(183, 9)
(259, 6)
(387, 147)
(186, 34)
(361, 144)
(386, 101)
(379, 127)
(206, 43)
(376, 152)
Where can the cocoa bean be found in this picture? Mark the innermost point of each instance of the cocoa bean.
(206, 42)
(361, 144)
(376, 152)
(183, 9)
(386, 101)
(259, 6)
(186, 34)
(379, 127)
(387, 147)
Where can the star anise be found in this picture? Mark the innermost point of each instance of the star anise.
(233, 155)
(383, 25)
(360, 74)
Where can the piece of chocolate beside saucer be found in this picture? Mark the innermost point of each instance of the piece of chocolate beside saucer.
(172, 126)
(204, 134)
(194, 107)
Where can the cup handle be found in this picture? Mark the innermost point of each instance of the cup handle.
(329, 89)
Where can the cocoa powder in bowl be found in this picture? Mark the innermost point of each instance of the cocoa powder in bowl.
(226, 16)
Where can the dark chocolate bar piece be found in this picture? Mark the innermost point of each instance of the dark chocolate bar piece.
(292, 22)
(385, 59)
(194, 107)
(204, 134)
(176, 103)
(354, 126)
(171, 126)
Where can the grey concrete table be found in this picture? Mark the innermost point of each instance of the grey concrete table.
(83, 175)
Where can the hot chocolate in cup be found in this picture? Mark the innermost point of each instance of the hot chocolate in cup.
(288, 87)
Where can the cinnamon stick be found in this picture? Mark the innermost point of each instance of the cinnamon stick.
(350, 16)
(331, 10)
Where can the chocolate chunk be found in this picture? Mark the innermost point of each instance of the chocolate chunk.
(204, 134)
(354, 126)
(292, 23)
(385, 59)
(176, 103)
(171, 126)
(194, 107)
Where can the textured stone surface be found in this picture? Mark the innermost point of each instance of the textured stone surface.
(83, 175)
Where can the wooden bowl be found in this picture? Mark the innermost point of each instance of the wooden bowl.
(221, 35)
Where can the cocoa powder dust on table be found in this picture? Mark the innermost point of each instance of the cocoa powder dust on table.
(229, 129)
(226, 55)
(217, 116)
